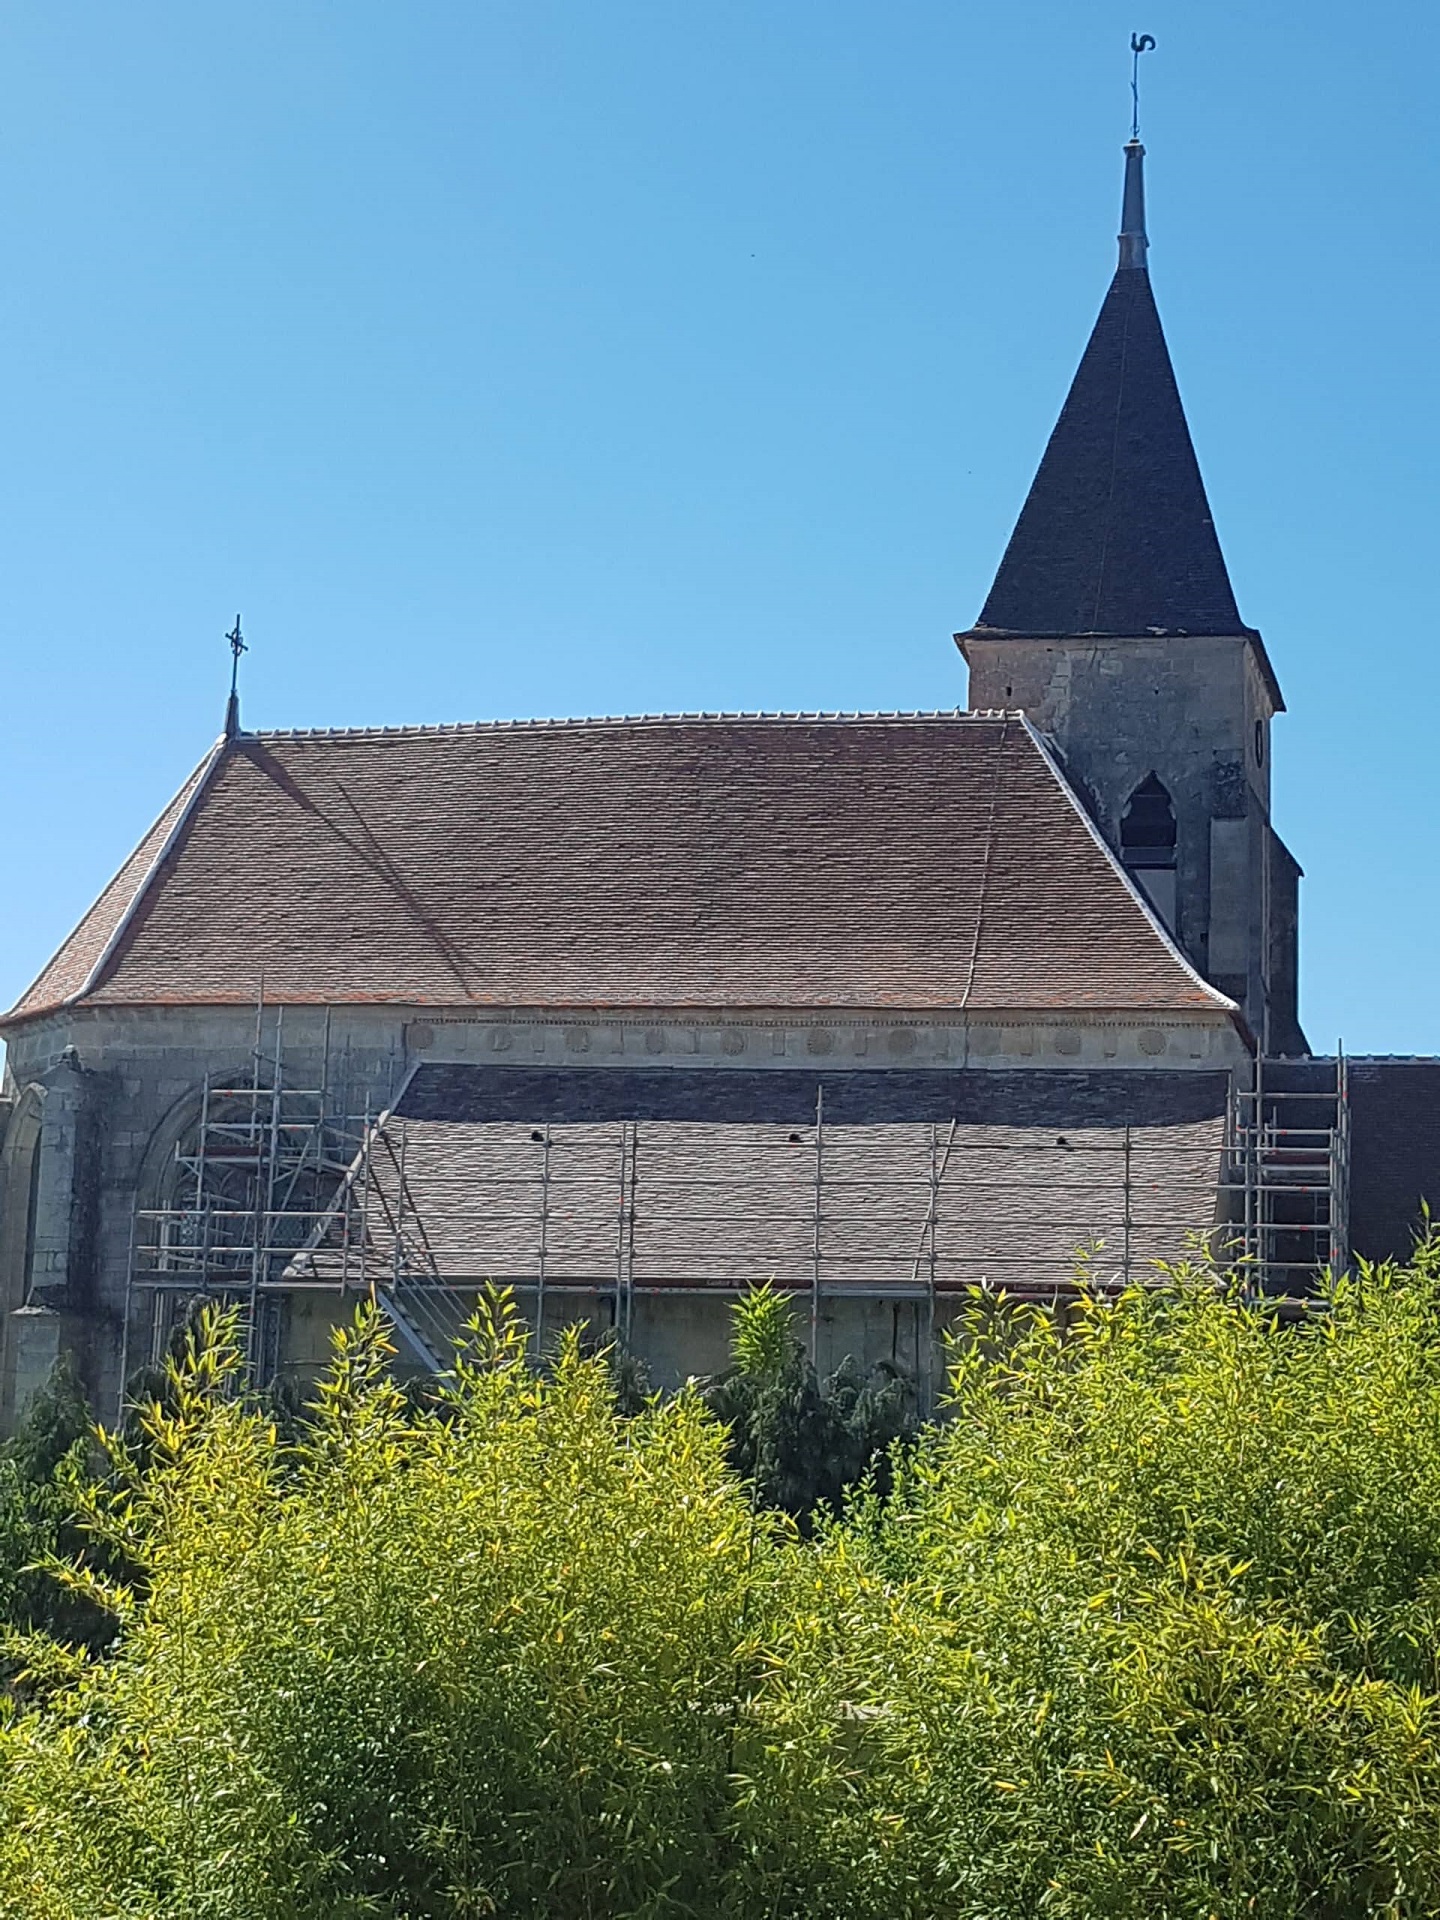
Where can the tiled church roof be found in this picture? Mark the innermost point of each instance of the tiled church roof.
(1395, 1154)
(904, 861)
(84, 953)
(1029, 1166)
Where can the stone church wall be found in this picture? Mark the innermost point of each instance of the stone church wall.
(128, 1089)
(100, 1098)
(1196, 713)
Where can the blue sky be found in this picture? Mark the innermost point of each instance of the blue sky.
(574, 356)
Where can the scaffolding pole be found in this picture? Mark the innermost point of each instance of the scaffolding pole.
(251, 1181)
(544, 1250)
(1126, 1187)
(816, 1254)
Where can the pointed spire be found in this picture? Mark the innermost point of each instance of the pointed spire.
(1134, 245)
(1116, 535)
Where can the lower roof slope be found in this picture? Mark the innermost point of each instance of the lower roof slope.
(1031, 1166)
(1046, 1100)
(1394, 1154)
(908, 861)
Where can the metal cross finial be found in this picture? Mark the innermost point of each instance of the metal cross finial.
(1139, 43)
(232, 706)
(237, 647)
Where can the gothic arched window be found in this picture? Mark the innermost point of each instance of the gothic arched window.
(1147, 832)
(19, 1198)
(1147, 844)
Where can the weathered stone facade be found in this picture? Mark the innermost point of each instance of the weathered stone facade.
(1196, 714)
(99, 1104)
(101, 1098)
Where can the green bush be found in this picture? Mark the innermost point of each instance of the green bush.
(1196, 1559)
(42, 1469)
(1146, 1627)
(803, 1442)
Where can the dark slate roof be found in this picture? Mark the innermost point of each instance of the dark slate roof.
(1394, 1153)
(721, 1187)
(1049, 1099)
(1116, 535)
(906, 861)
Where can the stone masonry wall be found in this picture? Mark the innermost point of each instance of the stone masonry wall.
(121, 1086)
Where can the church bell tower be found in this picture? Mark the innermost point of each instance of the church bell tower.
(1113, 623)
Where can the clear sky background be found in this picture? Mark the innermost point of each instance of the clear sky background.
(513, 357)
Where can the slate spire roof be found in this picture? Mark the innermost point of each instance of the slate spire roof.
(1116, 535)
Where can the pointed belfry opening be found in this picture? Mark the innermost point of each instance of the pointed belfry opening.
(1148, 836)
(1147, 832)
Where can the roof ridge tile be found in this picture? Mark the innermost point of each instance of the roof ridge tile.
(572, 722)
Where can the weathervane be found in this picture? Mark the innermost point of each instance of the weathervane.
(1139, 43)
(232, 710)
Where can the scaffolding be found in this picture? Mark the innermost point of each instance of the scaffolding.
(248, 1185)
(1288, 1173)
(281, 1190)
(591, 1218)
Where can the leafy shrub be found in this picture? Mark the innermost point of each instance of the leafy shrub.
(479, 1658)
(1198, 1558)
(803, 1442)
(42, 1468)
(1147, 1627)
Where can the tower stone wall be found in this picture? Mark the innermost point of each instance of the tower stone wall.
(1195, 713)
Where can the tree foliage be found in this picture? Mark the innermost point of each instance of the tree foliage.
(1147, 1626)
(802, 1442)
(42, 1468)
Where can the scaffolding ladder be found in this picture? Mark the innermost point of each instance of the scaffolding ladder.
(1288, 1173)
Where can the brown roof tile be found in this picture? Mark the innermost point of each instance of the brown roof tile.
(907, 861)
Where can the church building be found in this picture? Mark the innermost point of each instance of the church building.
(632, 1013)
